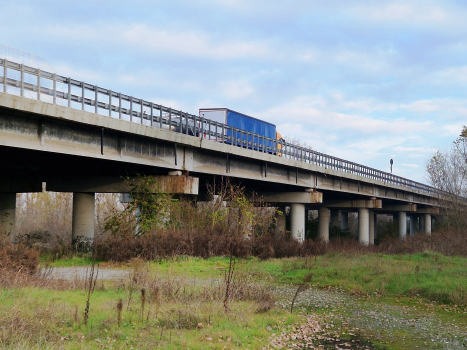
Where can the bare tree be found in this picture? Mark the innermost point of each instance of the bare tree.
(447, 171)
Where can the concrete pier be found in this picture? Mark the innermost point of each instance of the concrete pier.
(324, 217)
(402, 224)
(83, 215)
(427, 219)
(334, 218)
(7, 213)
(371, 226)
(364, 226)
(297, 221)
(344, 220)
(413, 225)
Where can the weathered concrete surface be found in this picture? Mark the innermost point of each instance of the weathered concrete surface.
(98, 184)
(297, 221)
(324, 216)
(364, 226)
(83, 215)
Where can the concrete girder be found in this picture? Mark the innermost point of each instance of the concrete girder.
(292, 197)
(167, 184)
(357, 203)
(432, 211)
(399, 207)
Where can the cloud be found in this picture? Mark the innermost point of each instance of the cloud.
(302, 110)
(237, 89)
(404, 11)
(416, 166)
(142, 37)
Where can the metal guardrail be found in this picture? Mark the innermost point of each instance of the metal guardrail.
(35, 83)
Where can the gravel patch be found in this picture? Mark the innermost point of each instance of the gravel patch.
(372, 318)
(79, 273)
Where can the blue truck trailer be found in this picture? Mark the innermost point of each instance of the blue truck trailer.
(243, 122)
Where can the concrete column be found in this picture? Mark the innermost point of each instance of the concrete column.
(427, 220)
(344, 220)
(364, 226)
(7, 213)
(297, 221)
(421, 223)
(280, 222)
(335, 218)
(371, 226)
(402, 224)
(324, 217)
(83, 215)
(413, 224)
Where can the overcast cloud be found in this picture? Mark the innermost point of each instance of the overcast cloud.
(364, 81)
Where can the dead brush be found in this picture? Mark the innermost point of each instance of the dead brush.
(90, 285)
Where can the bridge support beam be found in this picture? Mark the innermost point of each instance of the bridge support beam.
(371, 226)
(344, 220)
(402, 224)
(7, 213)
(83, 215)
(297, 221)
(364, 226)
(324, 217)
(427, 219)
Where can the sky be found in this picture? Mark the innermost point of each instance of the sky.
(359, 80)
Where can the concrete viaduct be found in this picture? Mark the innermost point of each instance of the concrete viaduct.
(80, 138)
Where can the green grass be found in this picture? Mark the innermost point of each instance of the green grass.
(50, 318)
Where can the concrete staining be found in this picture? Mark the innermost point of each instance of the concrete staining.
(85, 153)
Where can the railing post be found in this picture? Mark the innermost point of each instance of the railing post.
(110, 102)
(131, 108)
(54, 79)
(4, 75)
(119, 105)
(21, 91)
(170, 118)
(82, 95)
(160, 116)
(38, 84)
(152, 113)
(141, 111)
(95, 99)
(69, 92)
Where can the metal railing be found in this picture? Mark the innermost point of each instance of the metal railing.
(34, 83)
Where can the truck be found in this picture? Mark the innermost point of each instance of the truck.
(242, 122)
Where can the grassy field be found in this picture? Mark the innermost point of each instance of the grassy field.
(183, 304)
